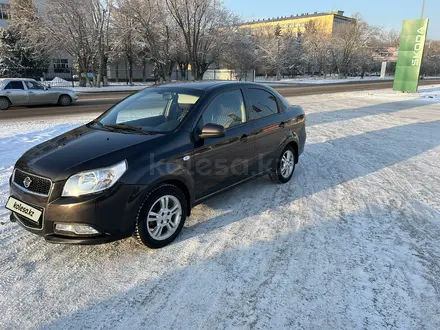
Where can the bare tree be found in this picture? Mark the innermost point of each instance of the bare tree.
(79, 27)
(280, 51)
(124, 44)
(101, 14)
(316, 42)
(431, 58)
(205, 26)
(241, 54)
(157, 31)
(348, 40)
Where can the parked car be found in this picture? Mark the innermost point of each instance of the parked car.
(22, 92)
(140, 167)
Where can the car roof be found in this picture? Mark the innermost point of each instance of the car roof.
(15, 79)
(207, 85)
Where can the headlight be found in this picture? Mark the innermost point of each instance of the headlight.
(94, 181)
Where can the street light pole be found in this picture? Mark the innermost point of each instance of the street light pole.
(423, 8)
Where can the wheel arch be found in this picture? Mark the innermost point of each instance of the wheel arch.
(294, 145)
(65, 94)
(7, 98)
(290, 140)
(183, 187)
(181, 183)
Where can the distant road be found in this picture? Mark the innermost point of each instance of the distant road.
(99, 102)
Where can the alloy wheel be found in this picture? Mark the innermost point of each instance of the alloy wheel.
(287, 163)
(164, 217)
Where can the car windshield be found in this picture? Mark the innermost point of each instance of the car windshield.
(154, 110)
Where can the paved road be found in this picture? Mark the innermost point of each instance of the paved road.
(90, 103)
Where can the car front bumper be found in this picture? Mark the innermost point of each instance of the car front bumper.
(111, 213)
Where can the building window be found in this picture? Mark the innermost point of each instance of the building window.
(4, 10)
(60, 65)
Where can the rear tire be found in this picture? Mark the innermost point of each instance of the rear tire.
(4, 103)
(161, 217)
(285, 166)
(64, 100)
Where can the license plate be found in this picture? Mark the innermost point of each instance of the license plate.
(23, 209)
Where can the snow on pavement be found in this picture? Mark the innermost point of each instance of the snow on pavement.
(320, 81)
(351, 242)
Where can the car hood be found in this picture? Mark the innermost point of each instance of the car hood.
(82, 149)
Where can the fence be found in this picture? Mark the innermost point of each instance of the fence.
(226, 74)
(69, 77)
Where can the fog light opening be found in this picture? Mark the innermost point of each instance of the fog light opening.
(75, 229)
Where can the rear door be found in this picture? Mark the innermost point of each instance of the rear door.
(263, 109)
(220, 162)
(16, 92)
(37, 93)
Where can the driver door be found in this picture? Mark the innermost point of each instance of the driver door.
(218, 163)
(37, 93)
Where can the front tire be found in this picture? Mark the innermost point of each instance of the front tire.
(161, 217)
(64, 100)
(4, 103)
(285, 166)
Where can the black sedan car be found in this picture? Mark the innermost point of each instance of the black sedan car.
(140, 167)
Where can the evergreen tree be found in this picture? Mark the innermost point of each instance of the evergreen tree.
(23, 51)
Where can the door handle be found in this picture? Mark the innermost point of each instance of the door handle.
(244, 138)
(282, 124)
(30, 92)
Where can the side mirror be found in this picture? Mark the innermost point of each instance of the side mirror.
(48, 86)
(210, 131)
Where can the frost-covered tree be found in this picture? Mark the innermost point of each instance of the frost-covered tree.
(23, 49)
(316, 43)
(18, 58)
(153, 30)
(80, 27)
(292, 54)
(123, 44)
(349, 42)
(431, 58)
(241, 54)
(279, 51)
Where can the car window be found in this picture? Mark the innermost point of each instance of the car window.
(33, 85)
(148, 105)
(227, 110)
(154, 110)
(14, 85)
(263, 103)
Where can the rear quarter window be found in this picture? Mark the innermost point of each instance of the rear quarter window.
(263, 103)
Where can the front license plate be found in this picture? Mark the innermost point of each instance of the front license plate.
(23, 209)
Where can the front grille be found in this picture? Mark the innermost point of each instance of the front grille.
(28, 223)
(37, 184)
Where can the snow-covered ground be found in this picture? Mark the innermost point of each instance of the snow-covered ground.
(352, 242)
(112, 88)
(319, 81)
(58, 82)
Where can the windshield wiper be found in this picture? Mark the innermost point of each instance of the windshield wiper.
(126, 127)
(101, 125)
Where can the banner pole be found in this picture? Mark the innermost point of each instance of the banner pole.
(423, 8)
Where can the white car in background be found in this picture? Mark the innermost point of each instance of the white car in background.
(23, 92)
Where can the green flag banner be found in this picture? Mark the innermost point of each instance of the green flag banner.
(412, 44)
